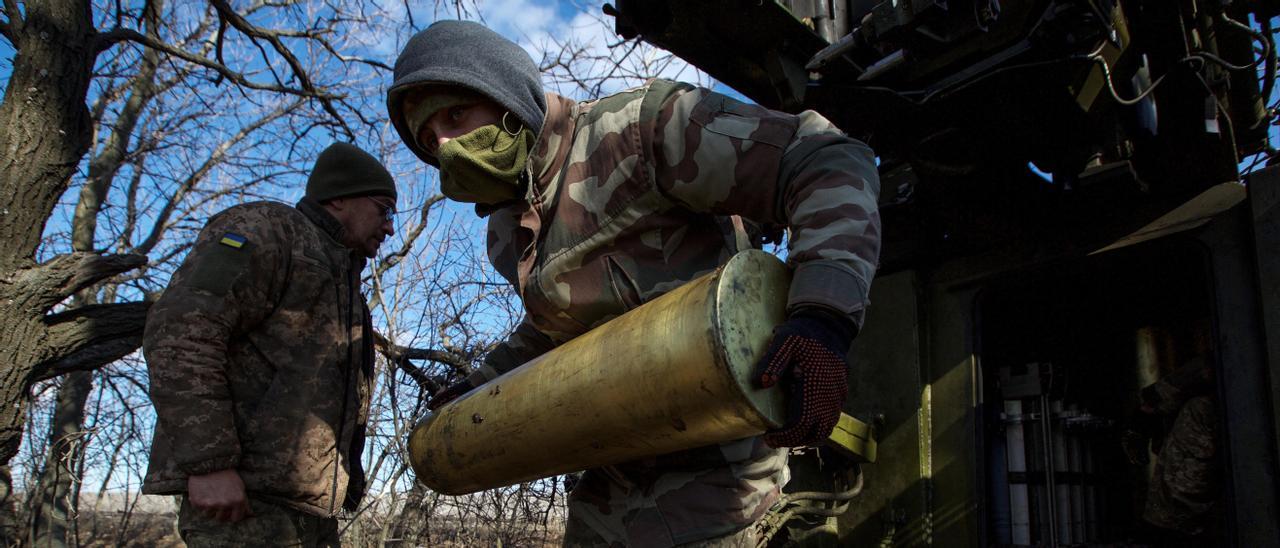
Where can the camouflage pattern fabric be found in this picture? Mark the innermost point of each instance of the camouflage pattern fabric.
(631, 196)
(260, 359)
(1184, 488)
(579, 535)
(270, 525)
(640, 192)
(1166, 396)
(678, 498)
(745, 538)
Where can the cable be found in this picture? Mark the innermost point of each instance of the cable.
(1267, 52)
(823, 496)
(1201, 56)
(1268, 74)
(1106, 72)
(1225, 64)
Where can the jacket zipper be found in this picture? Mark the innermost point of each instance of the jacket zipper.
(346, 394)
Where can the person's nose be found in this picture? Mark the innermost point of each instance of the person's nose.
(437, 136)
(389, 228)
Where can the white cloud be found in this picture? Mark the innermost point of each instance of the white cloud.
(542, 28)
(520, 19)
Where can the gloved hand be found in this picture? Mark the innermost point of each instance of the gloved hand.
(449, 393)
(1144, 430)
(807, 355)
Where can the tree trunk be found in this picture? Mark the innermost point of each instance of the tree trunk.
(44, 124)
(44, 133)
(8, 511)
(54, 501)
(409, 523)
(58, 489)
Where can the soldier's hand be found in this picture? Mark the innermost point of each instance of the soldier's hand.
(1135, 446)
(219, 495)
(449, 393)
(807, 357)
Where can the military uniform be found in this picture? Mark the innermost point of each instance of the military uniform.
(1184, 487)
(260, 359)
(635, 194)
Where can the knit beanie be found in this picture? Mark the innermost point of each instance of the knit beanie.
(345, 170)
(467, 54)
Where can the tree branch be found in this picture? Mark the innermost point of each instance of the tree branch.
(420, 377)
(214, 159)
(433, 355)
(394, 258)
(273, 37)
(350, 59)
(15, 22)
(104, 166)
(399, 356)
(48, 284)
(90, 337)
(107, 39)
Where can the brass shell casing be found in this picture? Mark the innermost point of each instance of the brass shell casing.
(672, 374)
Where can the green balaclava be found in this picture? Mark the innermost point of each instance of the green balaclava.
(480, 167)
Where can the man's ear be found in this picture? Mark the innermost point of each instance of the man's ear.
(338, 204)
(338, 207)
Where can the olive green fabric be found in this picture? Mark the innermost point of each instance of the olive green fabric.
(225, 264)
(483, 167)
(345, 170)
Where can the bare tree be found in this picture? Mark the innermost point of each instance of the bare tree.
(161, 78)
(157, 115)
(54, 498)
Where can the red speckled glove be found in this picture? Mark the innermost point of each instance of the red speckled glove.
(807, 357)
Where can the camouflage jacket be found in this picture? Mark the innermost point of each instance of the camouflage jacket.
(260, 359)
(640, 192)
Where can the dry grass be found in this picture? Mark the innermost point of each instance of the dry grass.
(111, 529)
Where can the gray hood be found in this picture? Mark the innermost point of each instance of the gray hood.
(467, 54)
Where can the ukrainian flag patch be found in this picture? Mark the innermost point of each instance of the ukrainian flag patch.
(232, 239)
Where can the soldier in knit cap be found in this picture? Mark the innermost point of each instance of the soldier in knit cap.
(260, 355)
(597, 207)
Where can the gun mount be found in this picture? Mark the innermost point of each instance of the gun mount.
(1066, 222)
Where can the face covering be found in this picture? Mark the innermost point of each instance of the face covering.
(483, 167)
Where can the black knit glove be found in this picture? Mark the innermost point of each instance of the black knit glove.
(807, 356)
(449, 393)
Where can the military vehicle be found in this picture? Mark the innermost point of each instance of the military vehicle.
(1065, 215)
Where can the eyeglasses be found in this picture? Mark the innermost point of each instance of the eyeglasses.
(385, 210)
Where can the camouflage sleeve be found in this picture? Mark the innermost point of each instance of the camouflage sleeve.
(525, 343)
(713, 153)
(225, 285)
(1167, 395)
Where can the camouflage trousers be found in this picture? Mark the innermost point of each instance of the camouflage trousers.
(1185, 485)
(578, 535)
(270, 525)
